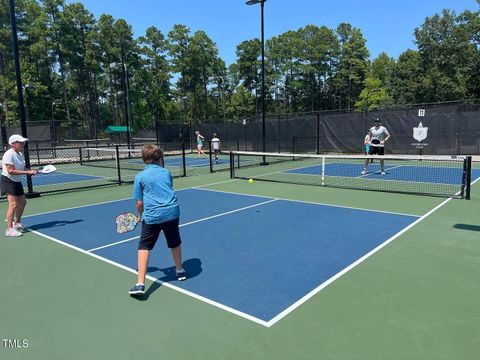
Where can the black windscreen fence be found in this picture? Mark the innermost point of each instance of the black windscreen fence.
(440, 129)
(434, 130)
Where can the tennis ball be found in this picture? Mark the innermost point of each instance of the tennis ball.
(250, 181)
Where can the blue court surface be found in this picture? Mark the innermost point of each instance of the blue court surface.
(254, 256)
(57, 177)
(393, 172)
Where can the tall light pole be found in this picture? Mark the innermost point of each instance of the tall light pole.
(53, 128)
(190, 125)
(21, 112)
(262, 2)
(125, 94)
(3, 117)
(27, 88)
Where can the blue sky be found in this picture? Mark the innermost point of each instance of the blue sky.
(386, 24)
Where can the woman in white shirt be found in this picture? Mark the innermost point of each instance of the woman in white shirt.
(13, 167)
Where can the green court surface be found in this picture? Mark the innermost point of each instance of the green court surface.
(416, 298)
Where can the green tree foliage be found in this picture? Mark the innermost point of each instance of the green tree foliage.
(80, 67)
(382, 68)
(448, 57)
(353, 63)
(406, 78)
(373, 95)
(155, 77)
(194, 60)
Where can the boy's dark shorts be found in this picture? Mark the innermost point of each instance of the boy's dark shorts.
(376, 150)
(151, 232)
(11, 187)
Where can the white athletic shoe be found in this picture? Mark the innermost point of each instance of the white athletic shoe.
(382, 173)
(363, 172)
(19, 227)
(11, 232)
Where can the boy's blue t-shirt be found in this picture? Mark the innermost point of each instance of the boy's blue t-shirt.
(154, 186)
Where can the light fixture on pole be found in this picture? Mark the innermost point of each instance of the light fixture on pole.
(262, 2)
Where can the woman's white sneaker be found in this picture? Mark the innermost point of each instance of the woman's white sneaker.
(19, 227)
(11, 232)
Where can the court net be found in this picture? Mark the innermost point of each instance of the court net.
(446, 176)
(127, 162)
(87, 142)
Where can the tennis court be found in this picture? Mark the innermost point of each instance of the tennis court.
(292, 224)
(276, 270)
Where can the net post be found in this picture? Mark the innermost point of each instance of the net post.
(264, 161)
(468, 178)
(184, 160)
(293, 147)
(117, 157)
(323, 170)
(318, 133)
(157, 131)
(80, 155)
(38, 153)
(26, 155)
(210, 155)
(30, 194)
(231, 166)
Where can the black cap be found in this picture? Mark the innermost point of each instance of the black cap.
(377, 120)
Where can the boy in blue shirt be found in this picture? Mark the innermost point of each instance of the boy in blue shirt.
(157, 206)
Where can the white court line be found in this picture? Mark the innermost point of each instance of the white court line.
(190, 223)
(313, 203)
(226, 308)
(215, 183)
(129, 198)
(376, 172)
(354, 264)
(112, 244)
(350, 267)
(413, 181)
(166, 284)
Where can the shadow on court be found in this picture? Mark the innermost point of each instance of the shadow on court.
(193, 267)
(52, 224)
(467, 227)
